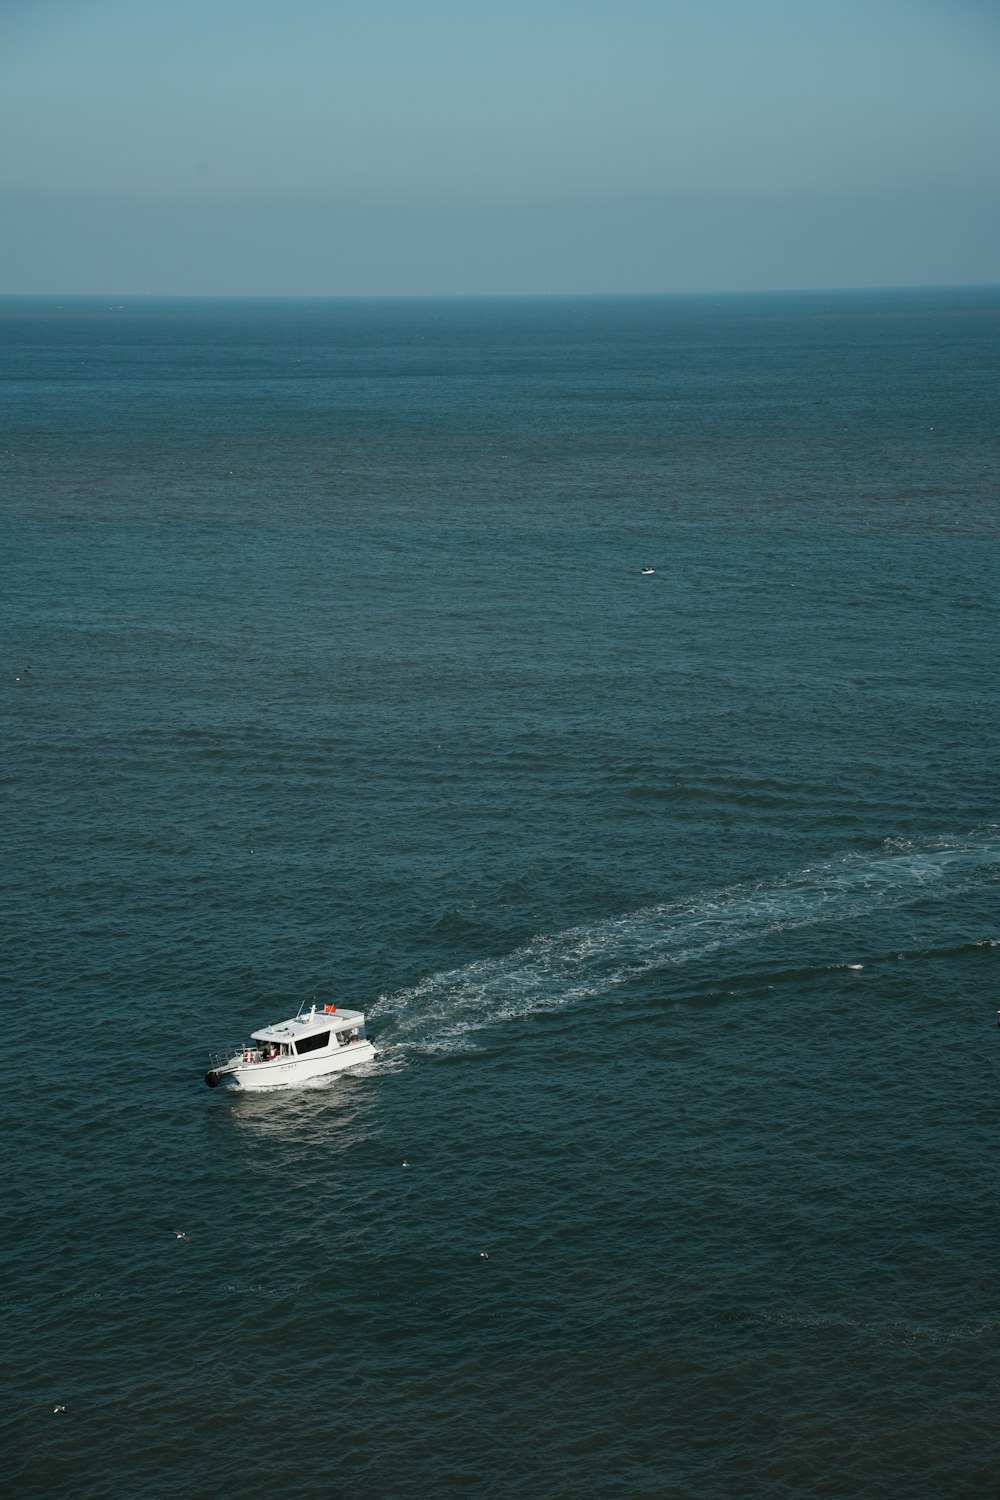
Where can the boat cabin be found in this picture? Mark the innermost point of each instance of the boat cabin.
(314, 1032)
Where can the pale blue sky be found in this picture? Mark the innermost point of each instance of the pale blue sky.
(366, 146)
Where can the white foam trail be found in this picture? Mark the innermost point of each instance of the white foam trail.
(554, 971)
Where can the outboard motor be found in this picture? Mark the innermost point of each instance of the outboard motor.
(212, 1079)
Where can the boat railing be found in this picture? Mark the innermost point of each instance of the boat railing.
(235, 1054)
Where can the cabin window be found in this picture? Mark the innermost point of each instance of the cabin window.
(312, 1043)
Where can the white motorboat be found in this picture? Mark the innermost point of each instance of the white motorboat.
(307, 1046)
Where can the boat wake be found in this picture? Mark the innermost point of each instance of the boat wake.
(556, 971)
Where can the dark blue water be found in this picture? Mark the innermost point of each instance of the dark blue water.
(328, 668)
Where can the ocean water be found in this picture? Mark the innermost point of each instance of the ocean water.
(329, 669)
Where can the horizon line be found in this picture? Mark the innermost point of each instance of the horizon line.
(494, 296)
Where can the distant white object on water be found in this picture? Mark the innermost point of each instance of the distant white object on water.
(647, 571)
(57, 1409)
(179, 1234)
(294, 1051)
(855, 966)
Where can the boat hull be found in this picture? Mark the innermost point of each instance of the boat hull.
(286, 1072)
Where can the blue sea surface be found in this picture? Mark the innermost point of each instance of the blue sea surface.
(329, 669)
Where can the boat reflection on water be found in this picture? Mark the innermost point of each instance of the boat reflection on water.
(335, 1110)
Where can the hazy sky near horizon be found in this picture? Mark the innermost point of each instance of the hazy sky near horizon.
(367, 146)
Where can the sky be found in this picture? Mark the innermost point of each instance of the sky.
(454, 147)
